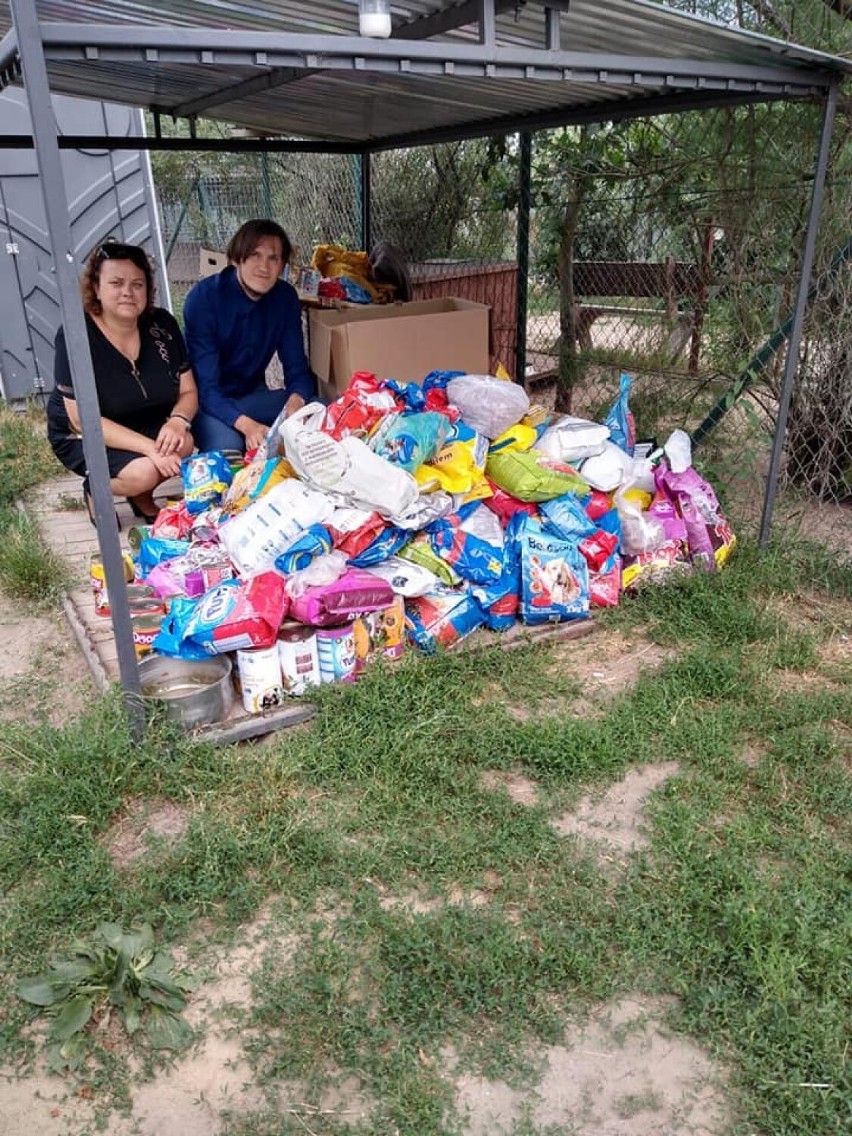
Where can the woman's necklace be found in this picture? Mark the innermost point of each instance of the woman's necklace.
(134, 370)
(122, 347)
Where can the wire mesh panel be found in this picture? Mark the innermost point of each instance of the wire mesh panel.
(671, 251)
(667, 248)
(458, 238)
(204, 198)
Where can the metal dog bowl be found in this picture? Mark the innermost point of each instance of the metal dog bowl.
(193, 692)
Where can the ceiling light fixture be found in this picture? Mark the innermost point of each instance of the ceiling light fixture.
(374, 18)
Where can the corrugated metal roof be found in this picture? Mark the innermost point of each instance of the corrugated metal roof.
(298, 69)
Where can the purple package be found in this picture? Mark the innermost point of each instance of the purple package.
(709, 537)
(356, 592)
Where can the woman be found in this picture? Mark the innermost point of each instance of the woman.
(146, 391)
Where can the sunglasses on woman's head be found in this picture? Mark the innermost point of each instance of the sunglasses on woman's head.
(115, 250)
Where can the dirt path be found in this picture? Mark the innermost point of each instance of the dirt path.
(42, 676)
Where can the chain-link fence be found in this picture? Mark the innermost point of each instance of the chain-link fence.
(204, 198)
(668, 248)
(673, 252)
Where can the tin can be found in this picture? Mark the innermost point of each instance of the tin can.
(146, 627)
(259, 671)
(97, 576)
(380, 633)
(142, 605)
(142, 592)
(336, 651)
(299, 658)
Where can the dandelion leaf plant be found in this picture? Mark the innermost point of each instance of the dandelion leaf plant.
(117, 972)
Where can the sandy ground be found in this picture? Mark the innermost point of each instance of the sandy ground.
(42, 675)
(620, 1072)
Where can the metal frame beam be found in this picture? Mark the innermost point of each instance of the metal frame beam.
(117, 43)
(544, 120)
(525, 149)
(208, 145)
(604, 112)
(449, 19)
(268, 81)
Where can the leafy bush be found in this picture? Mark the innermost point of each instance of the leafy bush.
(119, 971)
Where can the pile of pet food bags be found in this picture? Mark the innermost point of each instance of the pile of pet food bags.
(416, 513)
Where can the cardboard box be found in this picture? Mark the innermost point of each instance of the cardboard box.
(211, 261)
(398, 341)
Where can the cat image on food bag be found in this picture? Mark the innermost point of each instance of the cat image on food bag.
(553, 583)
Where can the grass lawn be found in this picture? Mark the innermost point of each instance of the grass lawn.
(411, 910)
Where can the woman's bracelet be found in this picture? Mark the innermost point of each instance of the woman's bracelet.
(182, 417)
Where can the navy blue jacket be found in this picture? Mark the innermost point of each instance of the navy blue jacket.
(232, 338)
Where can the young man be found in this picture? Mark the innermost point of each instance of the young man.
(235, 322)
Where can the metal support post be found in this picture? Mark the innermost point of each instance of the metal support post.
(355, 164)
(524, 205)
(266, 184)
(487, 22)
(67, 268)
(792, 361)
(366, 188)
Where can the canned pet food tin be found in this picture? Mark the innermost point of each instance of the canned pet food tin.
(97, 576)
(259, 672)
(297, 651)
(336, 651)
(380, 633)
(146, 627)
(143, 605)
(143, 592)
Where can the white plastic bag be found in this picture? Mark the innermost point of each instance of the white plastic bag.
(405, 577)
(607, 470)
(316, 457)
(324, 570)
(486, 404)
(678, 450)
(349, 468)
(427, 508)
(572, 439)
(481, 522)
(640, 531)
(373, 483)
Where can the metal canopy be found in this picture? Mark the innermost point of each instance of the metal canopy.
(452, 69)
(299, 71)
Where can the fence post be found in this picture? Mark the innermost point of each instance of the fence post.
(792, 361)
(524, 205)
(265, 183)
(181, 217)
(366, 227)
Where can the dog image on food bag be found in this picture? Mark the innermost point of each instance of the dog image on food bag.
(553, 583)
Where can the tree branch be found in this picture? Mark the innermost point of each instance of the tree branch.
(766, 10)
(843, 8)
